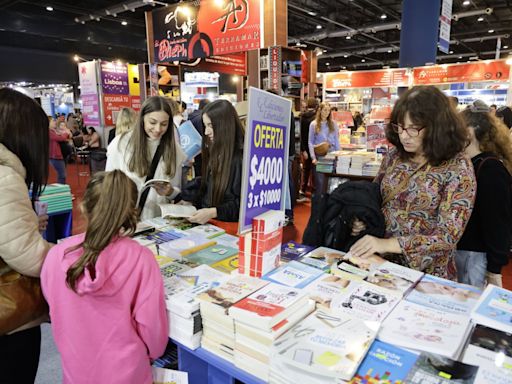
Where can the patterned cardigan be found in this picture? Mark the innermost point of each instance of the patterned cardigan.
(429, 215)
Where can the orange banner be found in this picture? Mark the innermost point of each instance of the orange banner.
(462, 73)
(367, 79)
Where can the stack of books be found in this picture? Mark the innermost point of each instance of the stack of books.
(58, 197)
(343, 164)
(260, 319)
(371, 168)
(326, 164)
(218, 327)
(358, 161)
(211, 255)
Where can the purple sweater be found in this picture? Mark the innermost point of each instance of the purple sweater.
(109, 330)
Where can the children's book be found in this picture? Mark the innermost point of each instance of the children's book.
(393, 276)
(212, 254)
(190, 139)
(293, 274)
(385, 364)
(177, 210)
(292, 250)
(435, 369)
(447, 295)
(494, 309)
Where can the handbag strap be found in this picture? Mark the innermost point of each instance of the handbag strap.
(151, 175)
(402, 184)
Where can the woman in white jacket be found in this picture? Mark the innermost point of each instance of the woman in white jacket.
(133, 153)
(24, 147)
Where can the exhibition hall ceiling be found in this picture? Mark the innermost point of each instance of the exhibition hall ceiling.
(351, 34)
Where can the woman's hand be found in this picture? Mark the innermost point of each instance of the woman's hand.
(367, 263)
(314, 161)
(163, 189)
(370, 245)
(358, 226)
(203, 215)
(43, 222)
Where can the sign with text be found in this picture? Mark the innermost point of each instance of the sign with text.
(203, 28)
(343, 118)
(274, 68)
(91, 110)
(87, 78)
(232, 64)
(445, 25)
(367, 79)
(265, 165)
(375, 136)
(112, 104)
(114, 78)
(462, 73)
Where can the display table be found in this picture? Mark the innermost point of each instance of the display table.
(204, 367)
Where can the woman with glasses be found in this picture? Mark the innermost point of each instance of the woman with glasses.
(484, 247)
(427, 185)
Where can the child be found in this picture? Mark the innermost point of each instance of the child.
(105, 291)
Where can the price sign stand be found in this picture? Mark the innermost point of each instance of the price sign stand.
(265, 164)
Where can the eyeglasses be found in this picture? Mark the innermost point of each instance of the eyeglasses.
(411, 131)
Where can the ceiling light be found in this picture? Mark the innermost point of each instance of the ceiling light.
(466, 3)
(348, 37)
(509, 61)
(327, 63)
(325, 50)
(451, 52)
(311, 13)
(76, 58)
(480, 19)
(345, 56)
(297, 43)
(460, 57)
(49, 8)
(383, 16)
(505, 47)
(318, 26)
(363, 60)
(389, 51)
(491, 31)
(124, 22)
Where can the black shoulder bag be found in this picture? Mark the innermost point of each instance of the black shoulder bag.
(151, 175)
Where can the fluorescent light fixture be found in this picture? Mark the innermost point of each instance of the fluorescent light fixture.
(124, 22)
(311, 13)
(348, 37)
(318, 26)
(363, 60)
(49, 8)
(491, 31)
(480, 19)
(383, 16)
(466, 3)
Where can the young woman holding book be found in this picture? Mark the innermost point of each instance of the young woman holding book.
(427, 184)
(105, 291)
(485, 244)
(222, 155)
(24, 149)
(150, 151)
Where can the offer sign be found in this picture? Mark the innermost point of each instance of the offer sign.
(112, 104)
(265, 165)
(375, 136)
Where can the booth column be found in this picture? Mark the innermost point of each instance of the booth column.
(419, 34)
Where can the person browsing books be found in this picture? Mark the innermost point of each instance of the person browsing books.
(24, 153)
(150, 151)
(427, 185)
(105, 291)
(219, 188)
(484, 247)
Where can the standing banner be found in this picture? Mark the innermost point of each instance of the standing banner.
(444, 26)
(114, 78)
(265, 164)
(89, 93)
(203, 28)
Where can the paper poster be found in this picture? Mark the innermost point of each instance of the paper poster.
(114, 78)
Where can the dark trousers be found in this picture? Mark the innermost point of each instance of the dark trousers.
(19, 356)
(306, 172)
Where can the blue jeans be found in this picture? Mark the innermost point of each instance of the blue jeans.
(471, 267)
(60, 167)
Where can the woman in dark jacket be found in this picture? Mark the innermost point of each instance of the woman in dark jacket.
(222, 154)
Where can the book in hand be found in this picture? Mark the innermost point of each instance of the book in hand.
(491, 351)
(190, 139)
(155, 183)
(385, 363)
(435, 292)
(326, 344)
(435, 369)
(177, 210)
(494, 309)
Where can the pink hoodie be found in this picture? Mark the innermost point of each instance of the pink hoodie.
(108, 332)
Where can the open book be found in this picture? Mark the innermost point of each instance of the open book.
(177, 210)
(153, 182)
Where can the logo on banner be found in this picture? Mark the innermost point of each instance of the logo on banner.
(234, 13)
(183, 22)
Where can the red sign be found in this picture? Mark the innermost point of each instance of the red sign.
(274, 67)
(135, 101)
(112, 104)
(367, 79)
(375, 136)
(343, 118)
(380, 113)
(203, 28)
(462, 73)
(233, 64)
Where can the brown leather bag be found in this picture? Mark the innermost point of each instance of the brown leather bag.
(322, 148)
(21, 299)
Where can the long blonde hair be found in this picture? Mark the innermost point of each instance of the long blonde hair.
(126, 120)
(110, 206)
(318, 118)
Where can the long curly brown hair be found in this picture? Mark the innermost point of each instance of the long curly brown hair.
(318, 118)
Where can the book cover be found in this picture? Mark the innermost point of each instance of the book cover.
(207, 230)
(316, 263)
(180, 223)
(450, 296)
(227, 265)
(414, 326)
(385, 364)
(227, 239)
(393, 276)
(292, 250)
(212, 254)
(190, 139)
(163, 260)
(494, 309)
(172, 269)
(328, 255)
(163, 236)
(327, 344)
(326, 287)
(345, 266)
(185, 246)
(169, 376)
(293, 274)
(434, 369)
(366, 301)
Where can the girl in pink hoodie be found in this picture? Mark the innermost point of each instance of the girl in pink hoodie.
(105, 292)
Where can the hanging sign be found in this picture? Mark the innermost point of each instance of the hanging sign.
(445, 25)
(89, 93)
(232, 64)
(114, 78)
(274, 68)
(203, 28)
(367, 79)
(265, 164)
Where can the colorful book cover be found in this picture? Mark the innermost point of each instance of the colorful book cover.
(185, 246)
(212, 254)
(317, 263)
(393, 276)
(207, 230)
(434, 369)
(163, 260)
(326, 287)
(163, 236)
(494, 309)
(292, 250)
(293, 274)
(385, 364)
(227, 265)
(181, 224)
(227, 239)
(447, 295)
(190, 139)
(172, 269)
(327, 255)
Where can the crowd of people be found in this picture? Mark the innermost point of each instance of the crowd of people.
(445, 196)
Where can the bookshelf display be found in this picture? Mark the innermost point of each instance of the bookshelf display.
(159, 79)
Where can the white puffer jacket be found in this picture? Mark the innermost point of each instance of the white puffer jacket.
(21, 245)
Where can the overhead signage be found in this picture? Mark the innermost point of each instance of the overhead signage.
(367, 79)
(203, 28)
(343, 118)
(274, 67)
(112, 104)
(114, 78)
(462, 73)
(445, 25)
(232, 64)
(265, 163)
